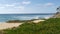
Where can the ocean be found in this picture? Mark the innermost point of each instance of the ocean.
(6, 17)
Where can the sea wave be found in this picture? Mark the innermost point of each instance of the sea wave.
(26, 17)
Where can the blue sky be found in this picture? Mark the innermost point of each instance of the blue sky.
(28, 6)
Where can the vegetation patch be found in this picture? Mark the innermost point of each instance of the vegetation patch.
(50, 26)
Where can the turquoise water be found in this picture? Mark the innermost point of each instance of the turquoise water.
(6, 17)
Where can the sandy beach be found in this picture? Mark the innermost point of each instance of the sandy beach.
(11, 25)
(8, 25)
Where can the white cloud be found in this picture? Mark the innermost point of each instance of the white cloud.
(17, 3)
(48, 4)
(7, 5)
(45, 5)
(20, 7)
(26, 2)
(2, 7)
(12, 6)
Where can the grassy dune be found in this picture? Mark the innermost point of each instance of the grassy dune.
(50, 26)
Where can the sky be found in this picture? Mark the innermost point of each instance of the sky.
(28, 6)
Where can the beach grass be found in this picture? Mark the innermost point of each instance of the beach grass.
(50, 26)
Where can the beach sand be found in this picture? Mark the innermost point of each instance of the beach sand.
(37, 21)
(11, 25)
(8, 25)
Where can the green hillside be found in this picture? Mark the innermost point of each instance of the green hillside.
(50, 26)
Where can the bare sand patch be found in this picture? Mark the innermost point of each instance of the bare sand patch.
(37, 21)
(8, 25)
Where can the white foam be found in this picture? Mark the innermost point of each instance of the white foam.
(47, 17)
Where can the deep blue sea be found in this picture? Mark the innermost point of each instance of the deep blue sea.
(6, 17)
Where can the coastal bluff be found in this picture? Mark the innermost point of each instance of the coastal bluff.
(57, 15)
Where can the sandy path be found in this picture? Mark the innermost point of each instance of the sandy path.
(8, 25)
